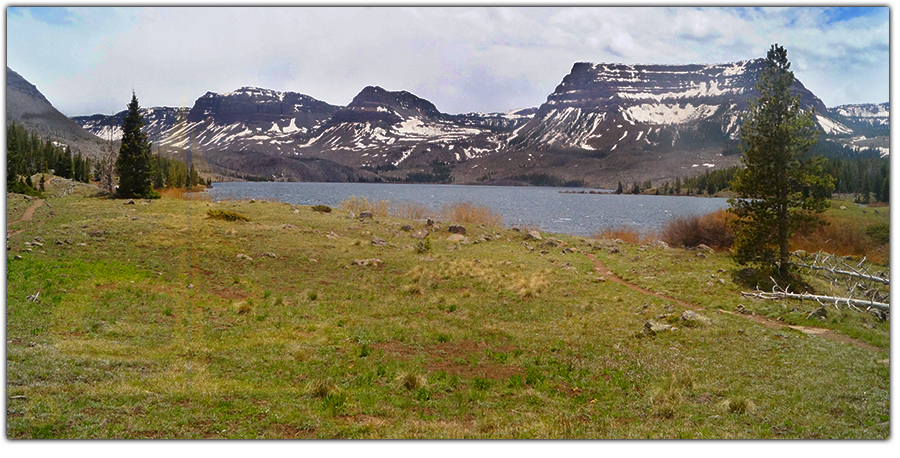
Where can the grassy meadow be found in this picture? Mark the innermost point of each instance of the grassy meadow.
(171, 319)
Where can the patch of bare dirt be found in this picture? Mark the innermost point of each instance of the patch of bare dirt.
(27, 216)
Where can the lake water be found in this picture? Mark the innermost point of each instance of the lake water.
(550, 209)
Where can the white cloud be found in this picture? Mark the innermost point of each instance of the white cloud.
(88, 59)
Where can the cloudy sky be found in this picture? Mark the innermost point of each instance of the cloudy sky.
(87, 60)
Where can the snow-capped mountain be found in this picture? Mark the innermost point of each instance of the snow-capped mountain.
(603, 123)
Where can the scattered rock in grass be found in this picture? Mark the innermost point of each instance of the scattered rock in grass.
(568, 250)
(366, 215)
(129, 202)
(39, 239)
(406, 228)
(288, 226)
(429, 222)
(661, 244)
(420, 234)
(702, 247)
(693, 319)
(743, 310)
(614, 250)
(819, 313)
(551, 243)
(268, 254)
(652, 327)
(456, 229)
(331, 235)
(244, 256)
(376, 241)
(533, 235)
(18, 257)
(457, 238)
(527, 246)
(375, 262)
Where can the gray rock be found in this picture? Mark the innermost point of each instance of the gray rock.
(457, 238)
(374, 262)
(692, 318)
(366, 215)
(429, 222)
(420, 234)
(652, 327)
(406, 228)
(244, 256)
(376, 241)
(129, 202)
(743, 310)
(39, 239)
(456, 229)
(533, 235)
(819, 313)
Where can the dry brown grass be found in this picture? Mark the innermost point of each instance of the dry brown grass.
(842, 239)
(711, 230)
(358, 205)
(409, 210)
(184, 193)
(467, 212)
(626, 234)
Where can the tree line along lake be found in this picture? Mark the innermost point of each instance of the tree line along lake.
(556, 210)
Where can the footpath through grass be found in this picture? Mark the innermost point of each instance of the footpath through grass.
(155, 320)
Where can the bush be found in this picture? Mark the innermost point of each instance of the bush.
(358, 205)
(845, 239)
(467, 212)
(623, 233)
(321, 208)
(712, 230)
(226, 215)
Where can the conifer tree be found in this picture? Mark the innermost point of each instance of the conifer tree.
(135, 162)
(779, 192)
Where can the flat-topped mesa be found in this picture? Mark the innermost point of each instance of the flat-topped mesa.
(253, 105)
(617, 107)
(604, 85)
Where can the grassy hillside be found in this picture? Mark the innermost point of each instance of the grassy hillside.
(158, 320)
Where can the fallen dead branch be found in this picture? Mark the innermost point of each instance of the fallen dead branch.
(818, 298)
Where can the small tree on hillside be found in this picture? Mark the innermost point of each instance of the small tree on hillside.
(135, 163)
(779, 192)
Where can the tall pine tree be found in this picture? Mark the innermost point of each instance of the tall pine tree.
(778, 191)
(135, 163)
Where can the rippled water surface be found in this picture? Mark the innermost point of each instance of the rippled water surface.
(551, 209)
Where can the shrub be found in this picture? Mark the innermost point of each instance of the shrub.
(226, 215)
(321, 208)
(845, 239)
(712, 229)
(409, 210)
(623, 233)
(467, 212)
(358, 205)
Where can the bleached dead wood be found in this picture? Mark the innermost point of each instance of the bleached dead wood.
(818, 298)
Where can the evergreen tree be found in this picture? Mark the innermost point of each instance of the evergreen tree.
(619, 189)
(779, 192)
(135, 162)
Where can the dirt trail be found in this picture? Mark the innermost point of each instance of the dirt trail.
(767, 322)
(27, 216)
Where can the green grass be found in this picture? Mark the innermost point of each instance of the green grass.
(155, 328)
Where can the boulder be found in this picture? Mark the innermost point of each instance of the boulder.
(376, 241)
(819, 313)
(406, 228)
(652, 327)
(533, 235)
(457, 238)
(420, 234)
(366, 215)
(692, 318)
(456, 229)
